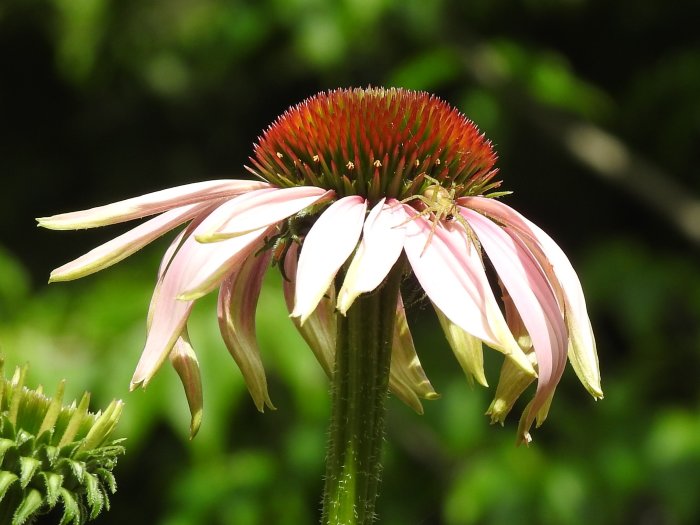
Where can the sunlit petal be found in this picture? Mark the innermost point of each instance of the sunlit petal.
(261, 209)
(534, 299)
(149, 204)
(380, 247)
(216, 259)
(452, 275)
(582, 348)
(327, 246)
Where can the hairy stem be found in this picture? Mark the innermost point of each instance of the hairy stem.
(359, 390)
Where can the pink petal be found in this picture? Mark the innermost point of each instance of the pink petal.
(265, 208)
(149, 204)
(530, 291)
(126, 244)
(215, 260)
(382, 241)
(326, 247)
(203, 264)
(238, 300)
(453, 277)
(168, 319)
(582, 347)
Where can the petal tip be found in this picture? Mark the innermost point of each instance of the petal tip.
(195, 423)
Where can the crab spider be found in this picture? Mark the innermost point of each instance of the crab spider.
(440, 203)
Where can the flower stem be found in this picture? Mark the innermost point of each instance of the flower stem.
(359, 390)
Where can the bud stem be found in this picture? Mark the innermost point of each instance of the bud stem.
(359, 390)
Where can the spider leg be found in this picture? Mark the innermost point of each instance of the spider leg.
(472, 239)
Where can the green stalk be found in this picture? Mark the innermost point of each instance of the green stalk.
(359, 390)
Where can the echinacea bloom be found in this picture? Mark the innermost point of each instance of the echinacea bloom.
(352, 183)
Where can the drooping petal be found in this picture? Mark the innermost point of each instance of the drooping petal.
(126, 244)
(319, 330)
(238, 298)
(535, 301)
(185, 362)
(149, 204)
(193, 263)
(168, 317)
(265, 208)
(512, 381)
(582, 349)
(327, 246)
(467, 349)
(452, 275)
(407, 379)
(380, 247)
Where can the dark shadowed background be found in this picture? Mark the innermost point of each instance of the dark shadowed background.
(594, 108)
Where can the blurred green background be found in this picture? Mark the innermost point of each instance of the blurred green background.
(594, 108)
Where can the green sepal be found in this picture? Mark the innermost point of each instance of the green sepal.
(108, 479)
(53, 483)
(50, 455)
(5, 445)
(77, 468)
(28, 467)
(71, 509)
(7, 479)
(30, 504)
(94, 495)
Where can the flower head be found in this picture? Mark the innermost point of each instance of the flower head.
(53, 455)
(354, 182)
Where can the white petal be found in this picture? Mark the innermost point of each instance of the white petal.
(407, 379)
(216, 259)
(185, 362)
(382, 241)
(326, 247)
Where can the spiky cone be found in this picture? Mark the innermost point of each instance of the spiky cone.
(52, 455)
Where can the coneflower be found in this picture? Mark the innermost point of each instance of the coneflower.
(357, 188)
